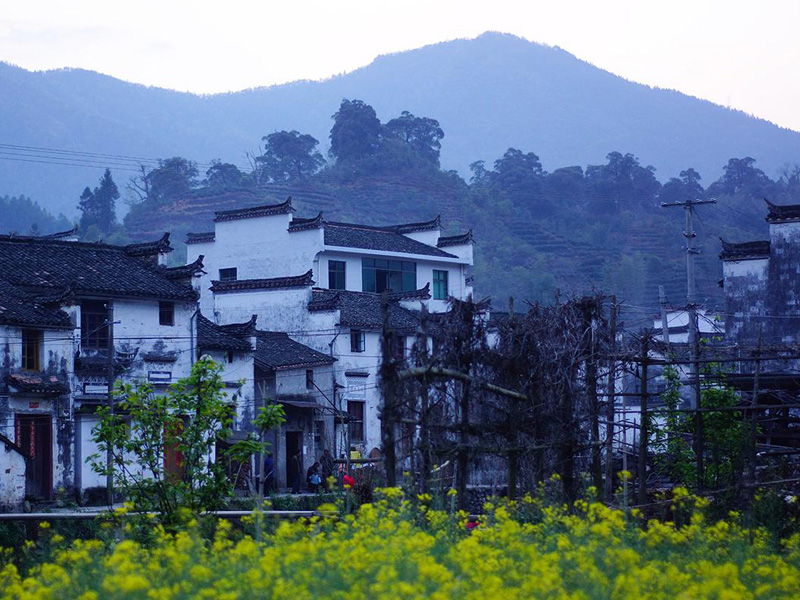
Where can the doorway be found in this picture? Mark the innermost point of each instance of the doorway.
(34, 435)
(294, 444)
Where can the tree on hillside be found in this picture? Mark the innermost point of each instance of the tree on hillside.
(98, 206)
(290, 155)
(741, 175)
(356, 131)
(222, 175)
(174, 177)
(621, 184)
(687, 187)
(516, 169)
(421, 133)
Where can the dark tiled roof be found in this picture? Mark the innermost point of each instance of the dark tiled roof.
(782, 214)
(37, 383)
(185, 271)
(455, 240)
(420, 294)
(199, 238)
(18, 308)
(234, 337)
(276, 350)
(299, 224)
(238, 285)
(744, 251)
(62, 235)
(424, 226)
(384, 239)
(88, 269)
(149, 248)
(254, 211)
(363, 311)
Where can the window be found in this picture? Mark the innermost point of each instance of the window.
(31, 349)
(94, 329)
(229, 356)
(309, 379)
(379, 275)
(166, 313)
(358, 341)
(336, 280)
(397, 347)
(440, 291)
(228, 274)
(355, 409)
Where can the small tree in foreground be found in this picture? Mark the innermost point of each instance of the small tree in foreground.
(149, 431)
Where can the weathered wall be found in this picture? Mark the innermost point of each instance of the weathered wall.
(12, 477)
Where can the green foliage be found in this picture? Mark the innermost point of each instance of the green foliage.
(289, 156)
(422, 134)
(148, 431)
(24, 216)
(356, 131)
(98, 206)
(724, 433)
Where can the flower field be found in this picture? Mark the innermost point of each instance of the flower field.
(398, 549)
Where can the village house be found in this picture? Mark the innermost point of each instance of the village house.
(320, 282)
(63, 305)
(762, 282)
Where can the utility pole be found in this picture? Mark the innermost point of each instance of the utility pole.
(694, 337)
(110, 400)
(662, 301)
(691, 299)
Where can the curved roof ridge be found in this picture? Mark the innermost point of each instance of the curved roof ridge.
(251, 212)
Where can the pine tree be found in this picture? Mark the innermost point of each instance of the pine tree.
(98, 206)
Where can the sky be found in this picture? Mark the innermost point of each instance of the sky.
(734, 53)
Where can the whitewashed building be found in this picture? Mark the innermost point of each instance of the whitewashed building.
(56, 299)
(321, 282)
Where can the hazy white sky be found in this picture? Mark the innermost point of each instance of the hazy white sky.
(735, 53)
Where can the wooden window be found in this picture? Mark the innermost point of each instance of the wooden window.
(336, 275)
(310, 379)
(355, 409)
(166, 313)
(94, 329)
(228, 274)
(31, 349)
(358, 340)
(440, 291)
(228, 356)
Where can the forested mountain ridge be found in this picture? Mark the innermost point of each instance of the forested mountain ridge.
(490, 93)
(538, 232)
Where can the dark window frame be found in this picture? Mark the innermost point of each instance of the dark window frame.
(397, 347)
(310, 379)
(381, 274)
(337, 275)
(358, 340)
(166, 314)
(32, 342)
(229, 274)
(94, 326)
(441, 284)
(355, 410)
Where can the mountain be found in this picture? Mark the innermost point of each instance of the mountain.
(488, 93)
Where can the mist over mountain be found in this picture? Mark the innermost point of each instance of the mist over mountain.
(488, 94)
